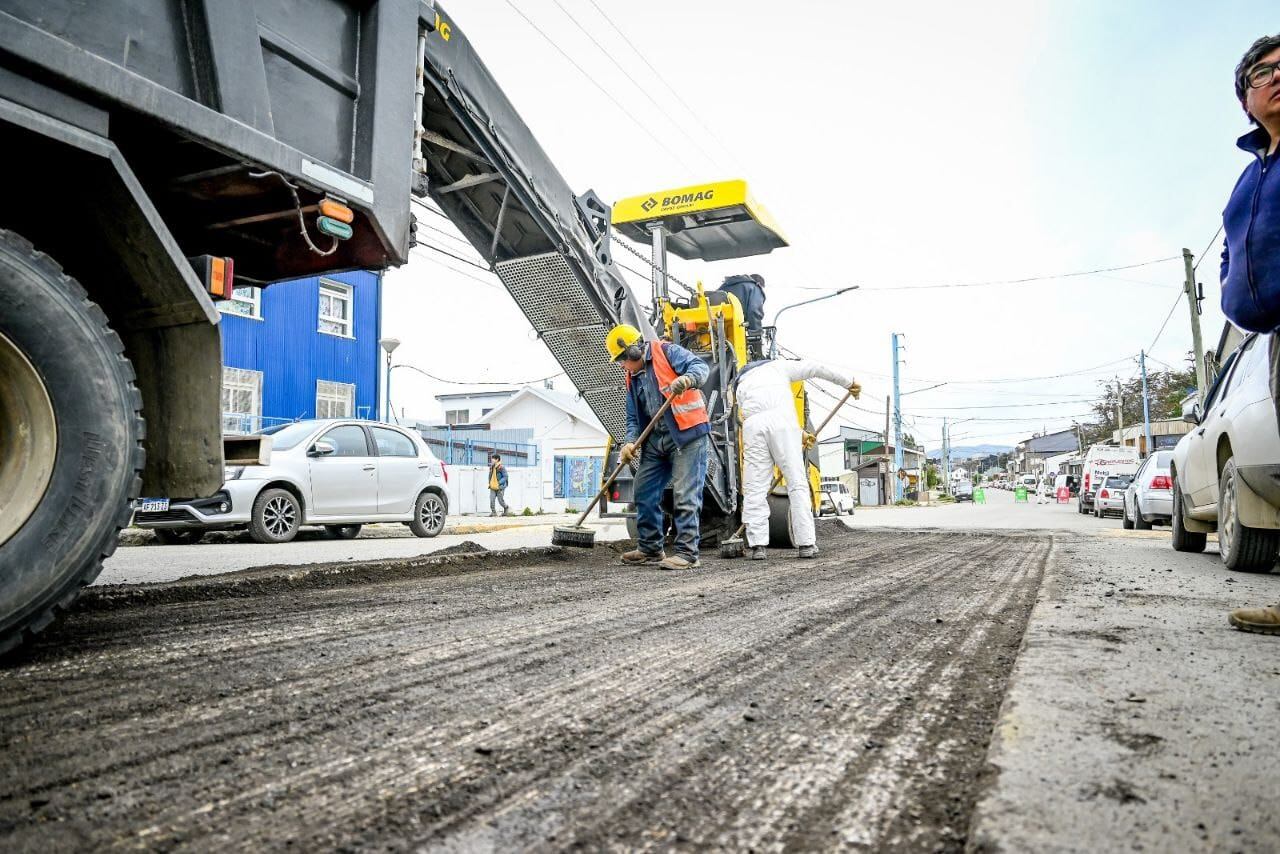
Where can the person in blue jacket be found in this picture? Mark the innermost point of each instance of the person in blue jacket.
(1251, 257)
(497, 486)
(675, 453)
(749, 289)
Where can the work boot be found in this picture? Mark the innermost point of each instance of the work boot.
(1264, 621)
(678, 562)
(637, 556)
(758, 553)
(808, 551)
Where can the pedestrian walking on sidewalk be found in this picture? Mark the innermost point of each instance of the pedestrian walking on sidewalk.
(675, 452)
(497, 486)
(771, 436)
(1251, 220)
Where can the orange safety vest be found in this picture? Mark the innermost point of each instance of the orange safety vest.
(689, 408)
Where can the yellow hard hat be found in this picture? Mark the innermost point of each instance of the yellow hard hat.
(620, 338)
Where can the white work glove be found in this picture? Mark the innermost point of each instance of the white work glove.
(628, 452)
(680, 384)
(855, 389)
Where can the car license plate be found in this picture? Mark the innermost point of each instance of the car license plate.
(153, 505)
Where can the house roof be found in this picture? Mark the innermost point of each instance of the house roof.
(570, 404)
(1053, 443)
(465, 395)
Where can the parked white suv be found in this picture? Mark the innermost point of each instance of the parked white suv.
(1226, 471)
(339, 474)
(835, 498)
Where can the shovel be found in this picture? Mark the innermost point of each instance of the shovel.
(579, 535)
(735, 546)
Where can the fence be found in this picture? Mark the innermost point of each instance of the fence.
(473, 447)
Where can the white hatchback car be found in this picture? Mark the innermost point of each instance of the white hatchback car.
(1226, 471)
(1149, 499)
(339, 474)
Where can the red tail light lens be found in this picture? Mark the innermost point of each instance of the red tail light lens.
(444, 470)
(1161, 481)
(616, 495)
(1104, 494)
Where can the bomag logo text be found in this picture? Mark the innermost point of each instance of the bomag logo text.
(688, 198)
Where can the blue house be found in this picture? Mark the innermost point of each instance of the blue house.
(306, 348)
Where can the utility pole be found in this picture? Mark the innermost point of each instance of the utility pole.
(946, 458)
(1146, 403)
(1193, 303)
(1119, 412)
(897, 424)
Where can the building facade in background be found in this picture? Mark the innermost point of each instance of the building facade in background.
(306, 348)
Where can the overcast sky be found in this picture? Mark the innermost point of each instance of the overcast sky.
(898, 145)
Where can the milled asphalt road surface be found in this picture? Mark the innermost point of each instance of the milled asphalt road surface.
(536, 701)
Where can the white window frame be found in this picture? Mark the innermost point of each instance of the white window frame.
(341, 292)
(249, 297)
(451, 417)
(241, 380)
(330, 394)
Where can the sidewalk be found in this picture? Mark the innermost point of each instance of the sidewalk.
(1136, 719)
(477, 523)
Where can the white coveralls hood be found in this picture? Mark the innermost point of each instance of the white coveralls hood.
(772, 436)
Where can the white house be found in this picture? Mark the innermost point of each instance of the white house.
(570, 441)
(472, 407)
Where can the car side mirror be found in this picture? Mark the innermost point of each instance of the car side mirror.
(322, 449)
(1191, 413)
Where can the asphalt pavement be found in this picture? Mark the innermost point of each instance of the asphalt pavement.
(997, 677)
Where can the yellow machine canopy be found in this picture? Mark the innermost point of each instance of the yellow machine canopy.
(707, 222)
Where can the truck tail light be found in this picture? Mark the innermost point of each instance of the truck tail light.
(1161, 481)
(217, 274)
(336, 210)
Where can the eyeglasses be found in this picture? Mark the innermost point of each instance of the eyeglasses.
(1261, 75)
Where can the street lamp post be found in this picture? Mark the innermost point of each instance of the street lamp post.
(773, 345)
(388, 345)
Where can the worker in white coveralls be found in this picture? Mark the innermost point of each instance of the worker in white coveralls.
(771, 436)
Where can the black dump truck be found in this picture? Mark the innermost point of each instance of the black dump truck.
(162, 152)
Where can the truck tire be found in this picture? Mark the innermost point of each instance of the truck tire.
(72, 429)
(1182, 539)
(276, 517)
(1243, 549)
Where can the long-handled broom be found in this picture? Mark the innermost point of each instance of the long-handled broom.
(579, 535)
(734, 546)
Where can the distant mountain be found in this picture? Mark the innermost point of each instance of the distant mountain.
(965, 452)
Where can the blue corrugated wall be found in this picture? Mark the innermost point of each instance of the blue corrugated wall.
(290, 351)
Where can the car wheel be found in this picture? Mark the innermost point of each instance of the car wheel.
(179, 536)
(342, 532)
(276, 517)
(1243, 549)
(428, 515)
(1183, 540)
(1138, 521)
(1125, 521)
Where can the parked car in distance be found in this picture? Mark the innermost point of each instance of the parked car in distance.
(962, 489)
(1149, 499)
(1226, 471)
(835, 498)
(1110, 495)
(340, 474)
(1100, 462)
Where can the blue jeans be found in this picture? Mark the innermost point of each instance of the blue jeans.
(661, 462)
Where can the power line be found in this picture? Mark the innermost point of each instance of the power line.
(431, 259)
(1208, 246)
(1172, 309)
(594, 83)
(1027, 279)
(466, 261)
(416, 369)
(643, 91)
(696, 117)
